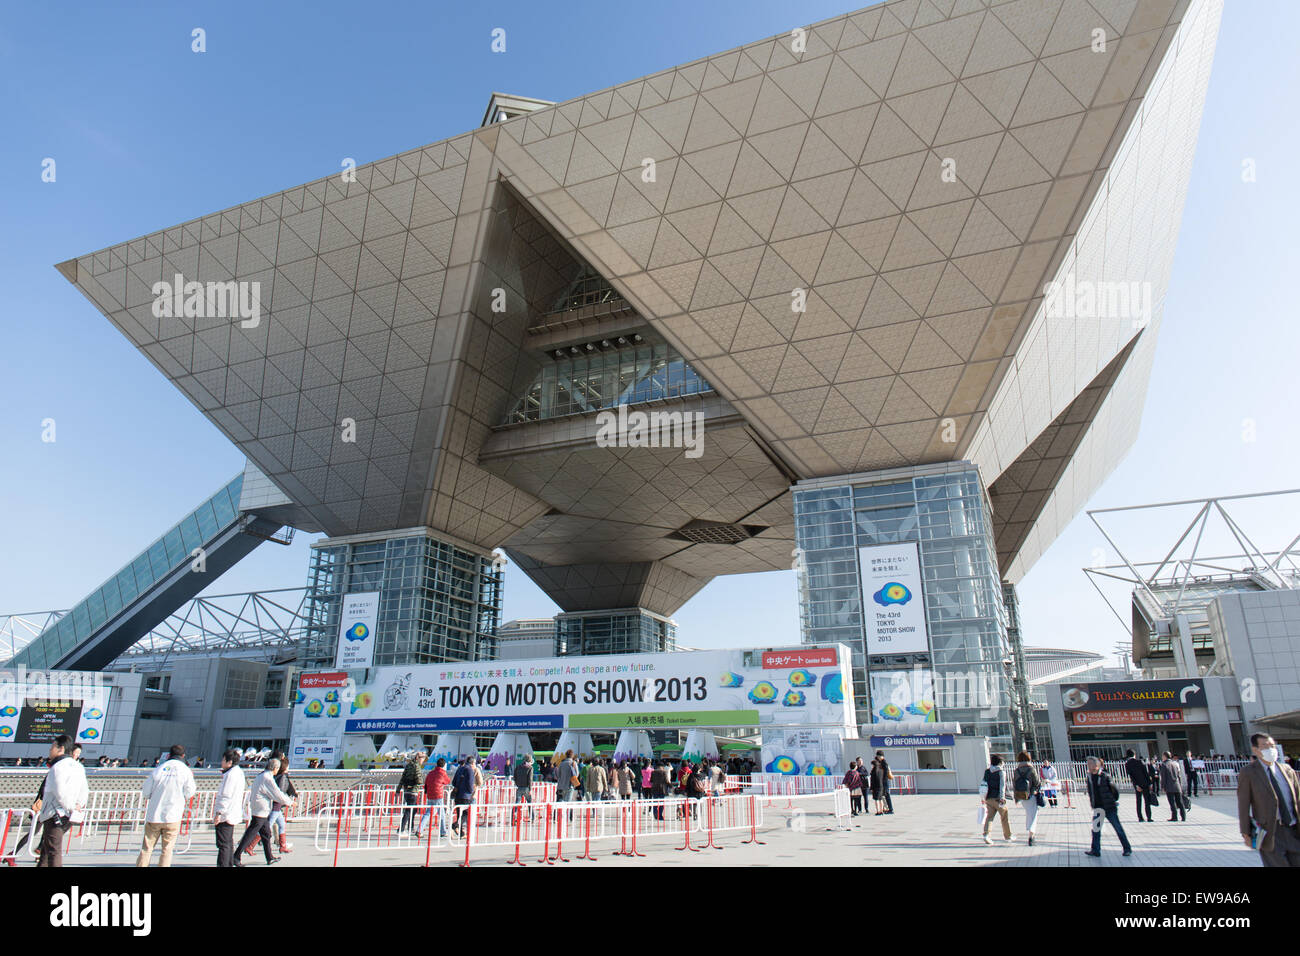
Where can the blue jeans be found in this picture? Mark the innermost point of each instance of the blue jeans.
(276, 821)
(441, 812)
(1113, 816)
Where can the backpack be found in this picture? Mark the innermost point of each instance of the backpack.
(1021, 783)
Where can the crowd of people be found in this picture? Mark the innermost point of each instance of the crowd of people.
(65, 792)
(576, 778)
(1268, 796)
(868, 785)
(1034, 786)
(1267, 791)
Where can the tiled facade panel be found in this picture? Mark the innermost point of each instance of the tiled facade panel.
(911, 178)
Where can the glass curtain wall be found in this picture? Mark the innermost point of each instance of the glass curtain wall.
(437, 602)
(606, 378)
(947, 515)
(614, 632)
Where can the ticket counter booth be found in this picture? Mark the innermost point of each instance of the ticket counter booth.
(935, 756)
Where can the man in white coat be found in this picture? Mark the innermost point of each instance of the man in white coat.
(260, 797)
(167, 789)
(228, 808)
(63, 800)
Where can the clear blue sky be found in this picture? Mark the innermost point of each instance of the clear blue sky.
(147, 134)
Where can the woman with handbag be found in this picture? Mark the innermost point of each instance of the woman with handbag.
(1028, 789)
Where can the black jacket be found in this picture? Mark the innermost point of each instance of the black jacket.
(284, 783)
(524, 776)
(1136, 768)
(660, 783)
(1102, 792)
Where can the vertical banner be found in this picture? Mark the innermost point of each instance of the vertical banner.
(319, 708)
(893, 605)
(356, 648)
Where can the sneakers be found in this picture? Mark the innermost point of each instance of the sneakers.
(1011, 839)
(988, 839)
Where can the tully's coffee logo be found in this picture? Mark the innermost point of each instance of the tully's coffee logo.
(78, 910)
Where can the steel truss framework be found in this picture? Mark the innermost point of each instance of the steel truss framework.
(271, 621)
(1269, 570)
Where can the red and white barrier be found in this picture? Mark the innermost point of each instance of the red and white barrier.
(559, 830)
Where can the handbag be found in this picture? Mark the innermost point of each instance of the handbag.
(1038, 799)
(1155, 800)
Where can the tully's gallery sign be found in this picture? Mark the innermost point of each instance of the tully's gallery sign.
(1133, 695)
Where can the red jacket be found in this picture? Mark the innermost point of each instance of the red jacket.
(434, 782)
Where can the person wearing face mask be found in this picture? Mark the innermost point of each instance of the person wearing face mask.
(1268, 805)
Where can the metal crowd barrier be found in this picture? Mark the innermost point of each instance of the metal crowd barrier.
(14, 825)
(359, 824)
(115, 819)
(1216, 775)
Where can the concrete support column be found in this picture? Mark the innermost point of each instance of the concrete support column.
(1060, 732)
(1220, 729)
(1184, 653)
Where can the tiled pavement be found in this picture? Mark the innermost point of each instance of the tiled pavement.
(930, 830)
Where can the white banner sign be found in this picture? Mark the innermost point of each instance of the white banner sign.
(893, 606)
(794, 686)
(357, 631)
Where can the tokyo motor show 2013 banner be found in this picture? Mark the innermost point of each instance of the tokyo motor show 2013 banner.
(807, 686)
(357, 619)
(35, 711)
(893, 604)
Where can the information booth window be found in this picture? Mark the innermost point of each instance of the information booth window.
(937, 758)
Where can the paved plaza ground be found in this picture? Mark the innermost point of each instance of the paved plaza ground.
(929, 830)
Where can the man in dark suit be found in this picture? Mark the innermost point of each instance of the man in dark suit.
(1136, 768)
(1190, 773)
(1174, 784)
(1268, 798)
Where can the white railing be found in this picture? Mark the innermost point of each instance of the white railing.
(1217, 775)
(113, 820)
(14, 825)
(359, 824)
(775, 784)
(547, 825)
